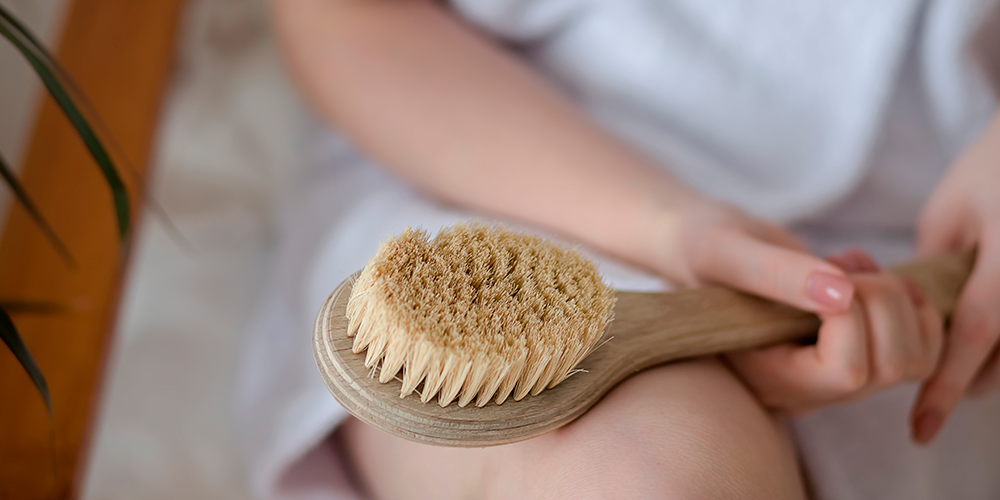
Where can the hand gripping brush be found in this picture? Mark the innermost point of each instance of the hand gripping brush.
(480, 314)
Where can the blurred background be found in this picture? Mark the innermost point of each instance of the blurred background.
(140, 359)
(139, 339)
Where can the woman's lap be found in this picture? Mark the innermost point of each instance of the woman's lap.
(685, 430)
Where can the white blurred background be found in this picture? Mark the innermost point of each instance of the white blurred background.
(225, 148)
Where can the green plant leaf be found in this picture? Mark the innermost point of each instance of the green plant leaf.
(90, 113)
(42, 63)
(20, 27)
(32, 209)
(40, 307)
(8, 332)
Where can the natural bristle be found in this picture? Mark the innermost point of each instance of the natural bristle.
(477, 312)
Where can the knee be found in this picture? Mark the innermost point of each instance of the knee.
(682, 431)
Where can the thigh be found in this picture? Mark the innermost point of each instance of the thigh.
(685, 430)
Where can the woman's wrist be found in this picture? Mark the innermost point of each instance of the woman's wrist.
(650, 224)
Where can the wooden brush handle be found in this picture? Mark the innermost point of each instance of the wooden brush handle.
(661, 327)
(941, 278)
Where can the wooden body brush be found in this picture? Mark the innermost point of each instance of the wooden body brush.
(480, 314)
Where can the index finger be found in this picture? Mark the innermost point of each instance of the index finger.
(778, 273)
(974, 332)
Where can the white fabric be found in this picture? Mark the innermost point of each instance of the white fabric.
(770, 104)
(837, 116)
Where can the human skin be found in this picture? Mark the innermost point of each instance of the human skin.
(963, 213)
(687, 430)
(876, 344)
(463, 120)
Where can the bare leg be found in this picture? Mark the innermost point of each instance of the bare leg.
(687, 430)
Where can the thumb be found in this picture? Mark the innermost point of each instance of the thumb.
(791, 276)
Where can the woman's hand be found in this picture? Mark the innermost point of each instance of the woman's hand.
(706, 243)
(964, 212)
(877, 329)
(889, 334)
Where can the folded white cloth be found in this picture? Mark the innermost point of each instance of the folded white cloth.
(837, 116)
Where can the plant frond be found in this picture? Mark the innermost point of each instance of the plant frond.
(8, 332)
(43, 65)
(34, 213)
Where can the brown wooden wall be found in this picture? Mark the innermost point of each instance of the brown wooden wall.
(120, 53)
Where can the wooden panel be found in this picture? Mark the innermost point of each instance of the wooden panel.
(119, 51)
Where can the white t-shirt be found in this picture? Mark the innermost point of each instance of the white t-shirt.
(836, 117)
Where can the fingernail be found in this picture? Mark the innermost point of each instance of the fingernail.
(830, 291)
(916, 293)
(926, 425)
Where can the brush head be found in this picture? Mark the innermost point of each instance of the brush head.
(477, 312)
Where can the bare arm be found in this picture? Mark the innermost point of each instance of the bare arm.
(460, 118)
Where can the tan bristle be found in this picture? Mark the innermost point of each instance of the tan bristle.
(482, 370)
(510, 380)
(533, 370)
(496, 372)
(476, 313)
(376, 349)
(417, 359)
(454, 379)
(571, 358)
(433, 379)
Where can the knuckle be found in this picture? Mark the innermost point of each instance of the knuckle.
(851, 378)
(872, 289)
(699, 255)
(889, 285)
(892, 370)
(862, 284)
(704, 252)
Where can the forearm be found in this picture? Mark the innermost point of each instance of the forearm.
(460, 118)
